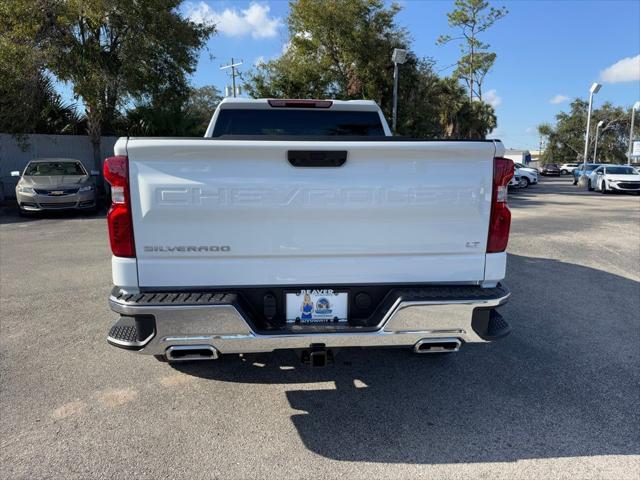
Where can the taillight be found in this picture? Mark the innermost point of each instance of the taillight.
(300, 103)
(116, 172)
(500, 221)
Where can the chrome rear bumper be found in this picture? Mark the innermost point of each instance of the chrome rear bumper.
(172, 320)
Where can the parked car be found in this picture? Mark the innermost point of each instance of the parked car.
(528, 176)
(567, 168)
(588, 168)
(608, 178)
(550, 169)
(520, 166)
(324, 262)
(55, 184)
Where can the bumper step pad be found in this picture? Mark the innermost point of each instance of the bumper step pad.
(133, 332)
(124, 333)
(490, 325)
(498, 327)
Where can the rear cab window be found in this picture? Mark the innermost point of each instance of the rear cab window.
(303, 122)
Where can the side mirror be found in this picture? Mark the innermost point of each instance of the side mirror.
(15, 173)
(95, 173)
(598, 173)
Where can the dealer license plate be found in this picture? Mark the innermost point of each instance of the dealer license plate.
(317, 306)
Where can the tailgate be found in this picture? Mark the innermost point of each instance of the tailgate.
(238, 213)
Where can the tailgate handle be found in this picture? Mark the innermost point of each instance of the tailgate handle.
(317, 158)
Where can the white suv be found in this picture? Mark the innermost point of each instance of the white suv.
(528, 176)
(567, 168)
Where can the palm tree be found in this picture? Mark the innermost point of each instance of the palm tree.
(452, 101)
(32, 105)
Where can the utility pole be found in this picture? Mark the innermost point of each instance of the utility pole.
(232, 66)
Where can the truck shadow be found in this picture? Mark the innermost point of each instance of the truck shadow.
(564, 384)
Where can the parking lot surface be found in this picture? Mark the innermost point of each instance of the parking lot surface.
(558, 398)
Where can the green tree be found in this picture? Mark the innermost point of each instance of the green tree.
(342, 49)
(472, 18)
(337, 48)
(175, 114)
(28, 100)
(565, 139)
(477, 120)
(452, 101)
(30, 104)
(200, 105)
(110, 51)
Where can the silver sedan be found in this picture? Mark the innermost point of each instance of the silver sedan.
(55, 184)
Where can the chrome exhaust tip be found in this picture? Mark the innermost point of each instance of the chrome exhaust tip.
(437, 345)
(183, 353)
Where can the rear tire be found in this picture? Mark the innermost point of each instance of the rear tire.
(524, 182)
(563, 172)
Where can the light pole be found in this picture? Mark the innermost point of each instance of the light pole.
(398, 57)
(595, 149)
(636, 106)
(593, 90)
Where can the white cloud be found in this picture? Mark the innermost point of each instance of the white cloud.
(492, 98)
(626, 70)
(254, 21)
(559, 98)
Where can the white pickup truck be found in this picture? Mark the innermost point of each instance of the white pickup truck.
(304, 225)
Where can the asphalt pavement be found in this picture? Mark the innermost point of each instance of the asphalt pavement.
(558, 398)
